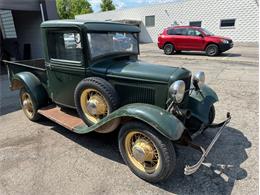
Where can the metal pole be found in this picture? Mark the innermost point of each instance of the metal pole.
(42, 12)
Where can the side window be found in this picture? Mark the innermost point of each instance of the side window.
(64, 46)
(195, 23)
(197, 33)
(183, 31)
(227, 23)
(171, 32)
(193, 32)
(177, 31)
(150, 21)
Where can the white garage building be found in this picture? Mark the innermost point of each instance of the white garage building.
(237, 19)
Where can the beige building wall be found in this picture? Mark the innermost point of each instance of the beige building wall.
(210, 12)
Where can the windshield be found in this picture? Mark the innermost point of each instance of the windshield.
(206, 32)
(110, 43)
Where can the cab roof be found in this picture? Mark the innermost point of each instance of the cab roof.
(92, 25)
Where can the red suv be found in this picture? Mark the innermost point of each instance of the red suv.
(175, 39)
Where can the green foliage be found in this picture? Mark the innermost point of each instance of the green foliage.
(107, 5)
(67, 9)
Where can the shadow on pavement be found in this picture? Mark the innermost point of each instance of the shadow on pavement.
(102, 144)
(9, 100)
(217, 176)
(220, 170)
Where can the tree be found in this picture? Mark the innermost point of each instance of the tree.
(67, 9)
(107, 5)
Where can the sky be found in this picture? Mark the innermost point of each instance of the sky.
(122, 4)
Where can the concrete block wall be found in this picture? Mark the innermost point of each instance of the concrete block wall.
(210, 12)
(7, 24)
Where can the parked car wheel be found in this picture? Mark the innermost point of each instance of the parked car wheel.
(212, 114)
(28, 105)
(95, 98)
(168, 49)
(212, 50)
(149, 155)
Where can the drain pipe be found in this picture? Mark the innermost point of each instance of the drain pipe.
(42, 12)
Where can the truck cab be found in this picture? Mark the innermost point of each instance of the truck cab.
(73, 48)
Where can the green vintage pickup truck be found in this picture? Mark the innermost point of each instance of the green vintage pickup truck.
(91, 80)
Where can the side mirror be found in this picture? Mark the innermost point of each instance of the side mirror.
(201, 35)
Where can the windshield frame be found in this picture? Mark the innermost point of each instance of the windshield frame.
(207, 32)
(112, 54)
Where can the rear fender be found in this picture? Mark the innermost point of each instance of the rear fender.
(169, 43)
(161, 120)
(200, 105)
(33, 85)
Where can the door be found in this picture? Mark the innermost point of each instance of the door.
(178, 37)
(65, 65)
(195, 39)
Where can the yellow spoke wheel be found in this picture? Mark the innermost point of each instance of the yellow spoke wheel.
(142, 152)
(95, 98)
(149, 154)
(28, 106)
(94, 105)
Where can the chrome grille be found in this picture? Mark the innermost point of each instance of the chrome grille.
(187, 82)
(133, 94)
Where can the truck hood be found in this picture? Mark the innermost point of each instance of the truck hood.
(139, 70)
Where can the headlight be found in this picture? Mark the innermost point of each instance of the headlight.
(199, 77)
(225, 41)
(177, 90)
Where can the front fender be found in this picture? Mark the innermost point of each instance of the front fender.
(161, 120)
(33, 86)
(200, 105)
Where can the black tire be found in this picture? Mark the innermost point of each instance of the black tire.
(212, 114)
(103, 87)
(33, 114)
(163, 145)
(168, 49)
(212, 50)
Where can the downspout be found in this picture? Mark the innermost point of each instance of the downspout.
(42, 12)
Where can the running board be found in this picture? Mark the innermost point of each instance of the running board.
(65, 118)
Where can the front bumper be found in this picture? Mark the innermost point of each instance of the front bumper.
(160, 45)
(225, 46)
(188, 170)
